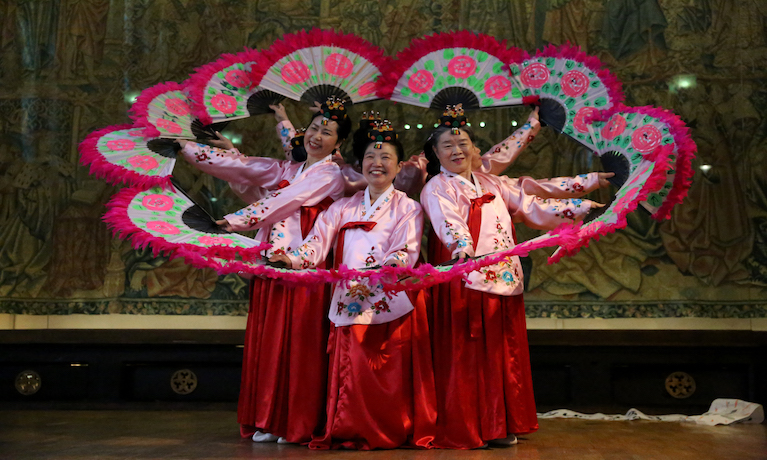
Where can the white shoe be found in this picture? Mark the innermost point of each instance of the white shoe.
(282, 441)
(509, 440)
(263, 437)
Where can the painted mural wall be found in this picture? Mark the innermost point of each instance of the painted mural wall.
(68, 67)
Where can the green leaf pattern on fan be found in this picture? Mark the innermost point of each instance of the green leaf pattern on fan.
(160, 213)
(475, 70)
(127, 148)
(573, 85)
(636, 136)
(228, 91)
(295, 73)
(171, 114)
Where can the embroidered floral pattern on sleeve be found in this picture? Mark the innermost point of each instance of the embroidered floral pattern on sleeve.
(562, 208)
(206, 153)
(574, 184)
(304, 251)
(460, 240)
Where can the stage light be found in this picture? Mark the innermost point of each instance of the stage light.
(682, 82)
(407, 126)
(131, 97)
(236, 139)
(419, 126)
(705, 168)
(436, 125)
(213, 199)
(481, 124)
(513, 122)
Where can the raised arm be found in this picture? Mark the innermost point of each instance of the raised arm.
(502, 155)
(559, 187)
(308, 190)
(234, 167)
(543, 213)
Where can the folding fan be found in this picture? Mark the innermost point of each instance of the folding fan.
(122, 154)
(573, 88)
(452, 68)
(164, 110)
(311, 66)
(631, 135)
(171, 223)
(225, 90)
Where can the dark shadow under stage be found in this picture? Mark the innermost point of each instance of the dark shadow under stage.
(213, 434)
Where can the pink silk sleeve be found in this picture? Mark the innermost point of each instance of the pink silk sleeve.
(558, 187)
(234, 167)
(500, 156)
(308, 190)
(317, 244)
(447, 220)
(353, 181)
(542, 213)
(412, 176)
(405, 240)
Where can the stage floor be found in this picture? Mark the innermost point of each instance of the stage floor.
(109, 434)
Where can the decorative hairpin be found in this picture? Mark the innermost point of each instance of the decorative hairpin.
(453, 118)
(368, 120)
(382, 132)
(333, 110)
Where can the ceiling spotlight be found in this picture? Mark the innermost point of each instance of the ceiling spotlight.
(513, 122)
(407, 126)
(705, 168)
(419, 125)
(481, 124)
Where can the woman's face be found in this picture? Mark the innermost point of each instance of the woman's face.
(380, 166)
(455, 152)
(320, 140)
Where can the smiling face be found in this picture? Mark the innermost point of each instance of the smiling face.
(380, 166)
(320, 140)
(455, 152)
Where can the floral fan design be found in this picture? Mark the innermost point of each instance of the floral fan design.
(628, 136)
(312, 66)
(224, 90)
(171, 223)
(573, 88)
(453, 68)
(122, 154)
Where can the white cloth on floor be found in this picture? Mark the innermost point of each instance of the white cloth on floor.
(721, 412)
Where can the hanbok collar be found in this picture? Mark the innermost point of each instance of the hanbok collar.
(302, 169)
(369, 209)
(474, 180)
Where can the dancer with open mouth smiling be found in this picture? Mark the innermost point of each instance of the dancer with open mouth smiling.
(282, 392)
(479, 338)
(381, 387)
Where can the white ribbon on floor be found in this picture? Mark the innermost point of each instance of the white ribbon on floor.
(721, 412)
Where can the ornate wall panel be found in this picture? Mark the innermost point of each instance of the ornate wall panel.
(68, 67)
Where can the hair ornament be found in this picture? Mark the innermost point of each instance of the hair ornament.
(333, 110)
(453, 117)
(382, 132)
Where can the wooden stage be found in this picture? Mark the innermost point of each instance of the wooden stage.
(212, 434)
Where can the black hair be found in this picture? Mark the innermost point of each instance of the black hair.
(361, 142)
(432, 168)
(344, 126)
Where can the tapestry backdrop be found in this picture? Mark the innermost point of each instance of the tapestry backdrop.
(69, 67)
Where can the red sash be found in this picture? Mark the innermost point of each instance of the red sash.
(366, 225)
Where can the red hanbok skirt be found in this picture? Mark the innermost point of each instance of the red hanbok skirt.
(284, 364)
(481, 364)
(380, 385)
